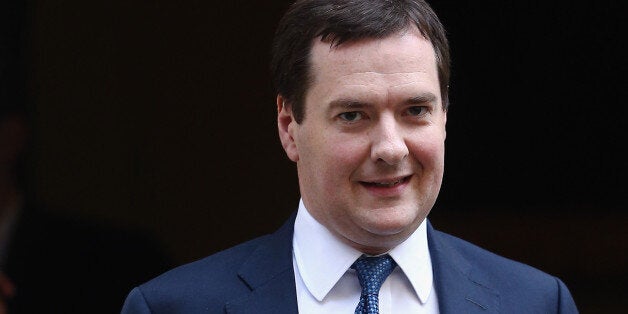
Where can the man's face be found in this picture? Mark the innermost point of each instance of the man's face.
(370, 150)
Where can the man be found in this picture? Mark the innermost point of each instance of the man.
(362, 107)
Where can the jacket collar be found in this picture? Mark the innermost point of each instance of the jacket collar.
(458, 289)
(269, 273)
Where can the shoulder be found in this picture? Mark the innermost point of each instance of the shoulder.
(216, 266)
(490, 265)
(515, 283)
(207, 285)
(199, 285)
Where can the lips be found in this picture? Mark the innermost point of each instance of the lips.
(386, 183)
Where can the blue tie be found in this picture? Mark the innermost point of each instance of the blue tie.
(372, 272)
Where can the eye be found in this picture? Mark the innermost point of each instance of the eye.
(417, 110)
(350, 116)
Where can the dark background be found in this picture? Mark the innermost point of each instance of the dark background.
(160, 115)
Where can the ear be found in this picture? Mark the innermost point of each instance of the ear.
(286, 125)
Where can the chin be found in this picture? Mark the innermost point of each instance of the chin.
(394, 220)
(390, 227)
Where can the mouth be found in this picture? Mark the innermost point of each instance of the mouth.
(386, 183)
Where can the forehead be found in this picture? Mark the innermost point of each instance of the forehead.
(400, 64)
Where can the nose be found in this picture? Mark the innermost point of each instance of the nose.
(388, 142)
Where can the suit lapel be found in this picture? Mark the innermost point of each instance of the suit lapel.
(269, 273)
(457, 289)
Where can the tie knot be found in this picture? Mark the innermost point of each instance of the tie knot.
(373, 271)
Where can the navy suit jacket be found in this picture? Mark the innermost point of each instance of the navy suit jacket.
(258, 277)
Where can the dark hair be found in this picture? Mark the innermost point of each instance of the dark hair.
(339, 21)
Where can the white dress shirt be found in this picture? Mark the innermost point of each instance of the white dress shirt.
(325, 282)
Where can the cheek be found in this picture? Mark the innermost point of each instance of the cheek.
(429, 150)
(331, 158)
(340, 157)
(347, 150)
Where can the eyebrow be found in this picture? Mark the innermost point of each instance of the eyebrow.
(346, 103)
(422, 98)
(350, 104)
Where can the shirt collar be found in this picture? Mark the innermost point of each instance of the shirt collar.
(413, 257)
(318, 251)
